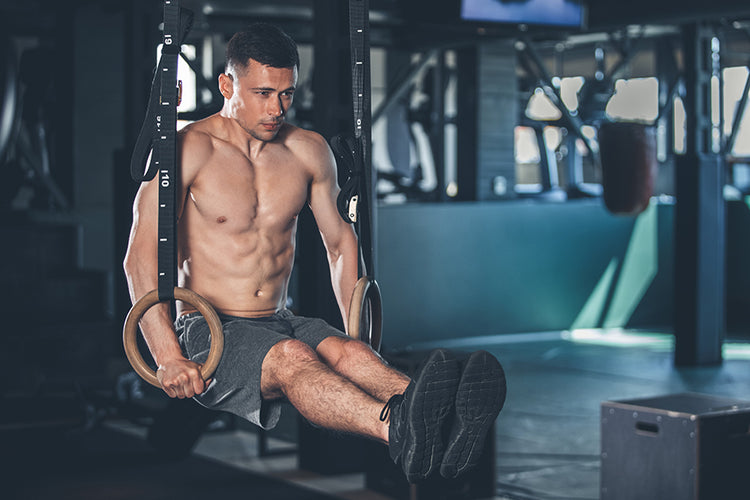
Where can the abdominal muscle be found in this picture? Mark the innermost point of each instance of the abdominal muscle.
(245, 274)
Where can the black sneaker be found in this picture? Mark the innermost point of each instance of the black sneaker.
(479, 399)
(417, 416)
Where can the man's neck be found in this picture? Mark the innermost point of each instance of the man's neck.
(241, 138)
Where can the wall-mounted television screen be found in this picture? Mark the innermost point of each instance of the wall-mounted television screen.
(564, 13)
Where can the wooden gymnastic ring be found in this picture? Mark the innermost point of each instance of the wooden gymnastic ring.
(130, 333)
(366, 289)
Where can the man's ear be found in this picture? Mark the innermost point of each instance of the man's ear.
(226, 85)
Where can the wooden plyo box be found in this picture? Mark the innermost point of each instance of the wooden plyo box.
(683, 446)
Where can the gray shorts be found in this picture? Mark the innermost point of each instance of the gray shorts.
(236, 383)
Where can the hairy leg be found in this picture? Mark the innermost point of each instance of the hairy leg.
(365, 368)
(293, 370)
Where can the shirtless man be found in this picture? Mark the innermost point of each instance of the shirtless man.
(245, 176)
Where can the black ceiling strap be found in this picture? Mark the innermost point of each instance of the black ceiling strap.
(348, 159)
(158, 136)
(166, 144)
(149, 129)
(359, 40)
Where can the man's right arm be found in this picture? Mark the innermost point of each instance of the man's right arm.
(179, 377)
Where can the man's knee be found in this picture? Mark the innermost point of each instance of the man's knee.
(282, 362)
(337, 351)
(290, 353)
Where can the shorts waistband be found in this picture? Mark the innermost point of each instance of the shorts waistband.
(280, 314)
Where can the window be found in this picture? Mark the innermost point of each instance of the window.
(189, 82)
(734, 84)
(547, 156)
(636, 99)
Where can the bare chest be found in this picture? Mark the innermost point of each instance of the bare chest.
(241, 196)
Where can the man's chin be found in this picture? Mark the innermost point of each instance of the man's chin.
(264, 135)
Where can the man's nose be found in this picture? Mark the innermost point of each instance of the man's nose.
(275, 108)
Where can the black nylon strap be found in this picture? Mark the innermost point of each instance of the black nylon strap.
(149, 129)
(347, 154)
(359, 40)
(158, 136)
(166, 143)
(145, 140)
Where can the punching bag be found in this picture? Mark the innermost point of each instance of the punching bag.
(628, 158)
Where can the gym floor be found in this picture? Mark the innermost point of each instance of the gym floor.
(547, 437)
(548, 434)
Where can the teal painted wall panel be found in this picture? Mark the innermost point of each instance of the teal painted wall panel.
(738, 268)
(458, 270)
(656, 308)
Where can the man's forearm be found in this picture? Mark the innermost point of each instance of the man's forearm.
(158, 331)
(343, 279)
(156, 323)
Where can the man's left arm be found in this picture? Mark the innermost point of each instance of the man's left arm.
(339, 237)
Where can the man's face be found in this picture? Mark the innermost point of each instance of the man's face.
(259, 98)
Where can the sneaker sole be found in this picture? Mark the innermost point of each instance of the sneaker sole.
(432, 401)
(479, 399)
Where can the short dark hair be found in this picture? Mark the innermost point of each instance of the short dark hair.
(265, 43)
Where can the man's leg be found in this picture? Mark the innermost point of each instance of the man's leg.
(411, 423)
(416, 410)
(291, 369)
(357, 362)
(479, 397)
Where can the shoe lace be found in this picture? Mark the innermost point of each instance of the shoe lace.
(386, 411)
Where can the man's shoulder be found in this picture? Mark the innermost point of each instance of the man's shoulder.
(293, 133)
(312, 151)
(304, 142)
(198, 143)
(204, 130)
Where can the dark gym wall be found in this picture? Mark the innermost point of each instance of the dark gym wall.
(98, 123)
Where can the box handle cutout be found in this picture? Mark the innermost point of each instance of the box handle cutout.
(647, 428)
